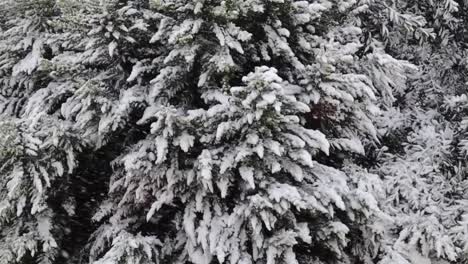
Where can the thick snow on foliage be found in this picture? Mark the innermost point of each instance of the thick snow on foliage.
(233, 131)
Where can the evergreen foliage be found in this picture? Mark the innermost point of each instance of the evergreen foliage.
(235, 131)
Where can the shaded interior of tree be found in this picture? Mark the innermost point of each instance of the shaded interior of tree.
(89, 187)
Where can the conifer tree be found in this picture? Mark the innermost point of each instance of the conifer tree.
(26, 39)
(421, 162)
(251, 102)
(37, 153)
(50, 66)
(249, 131)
